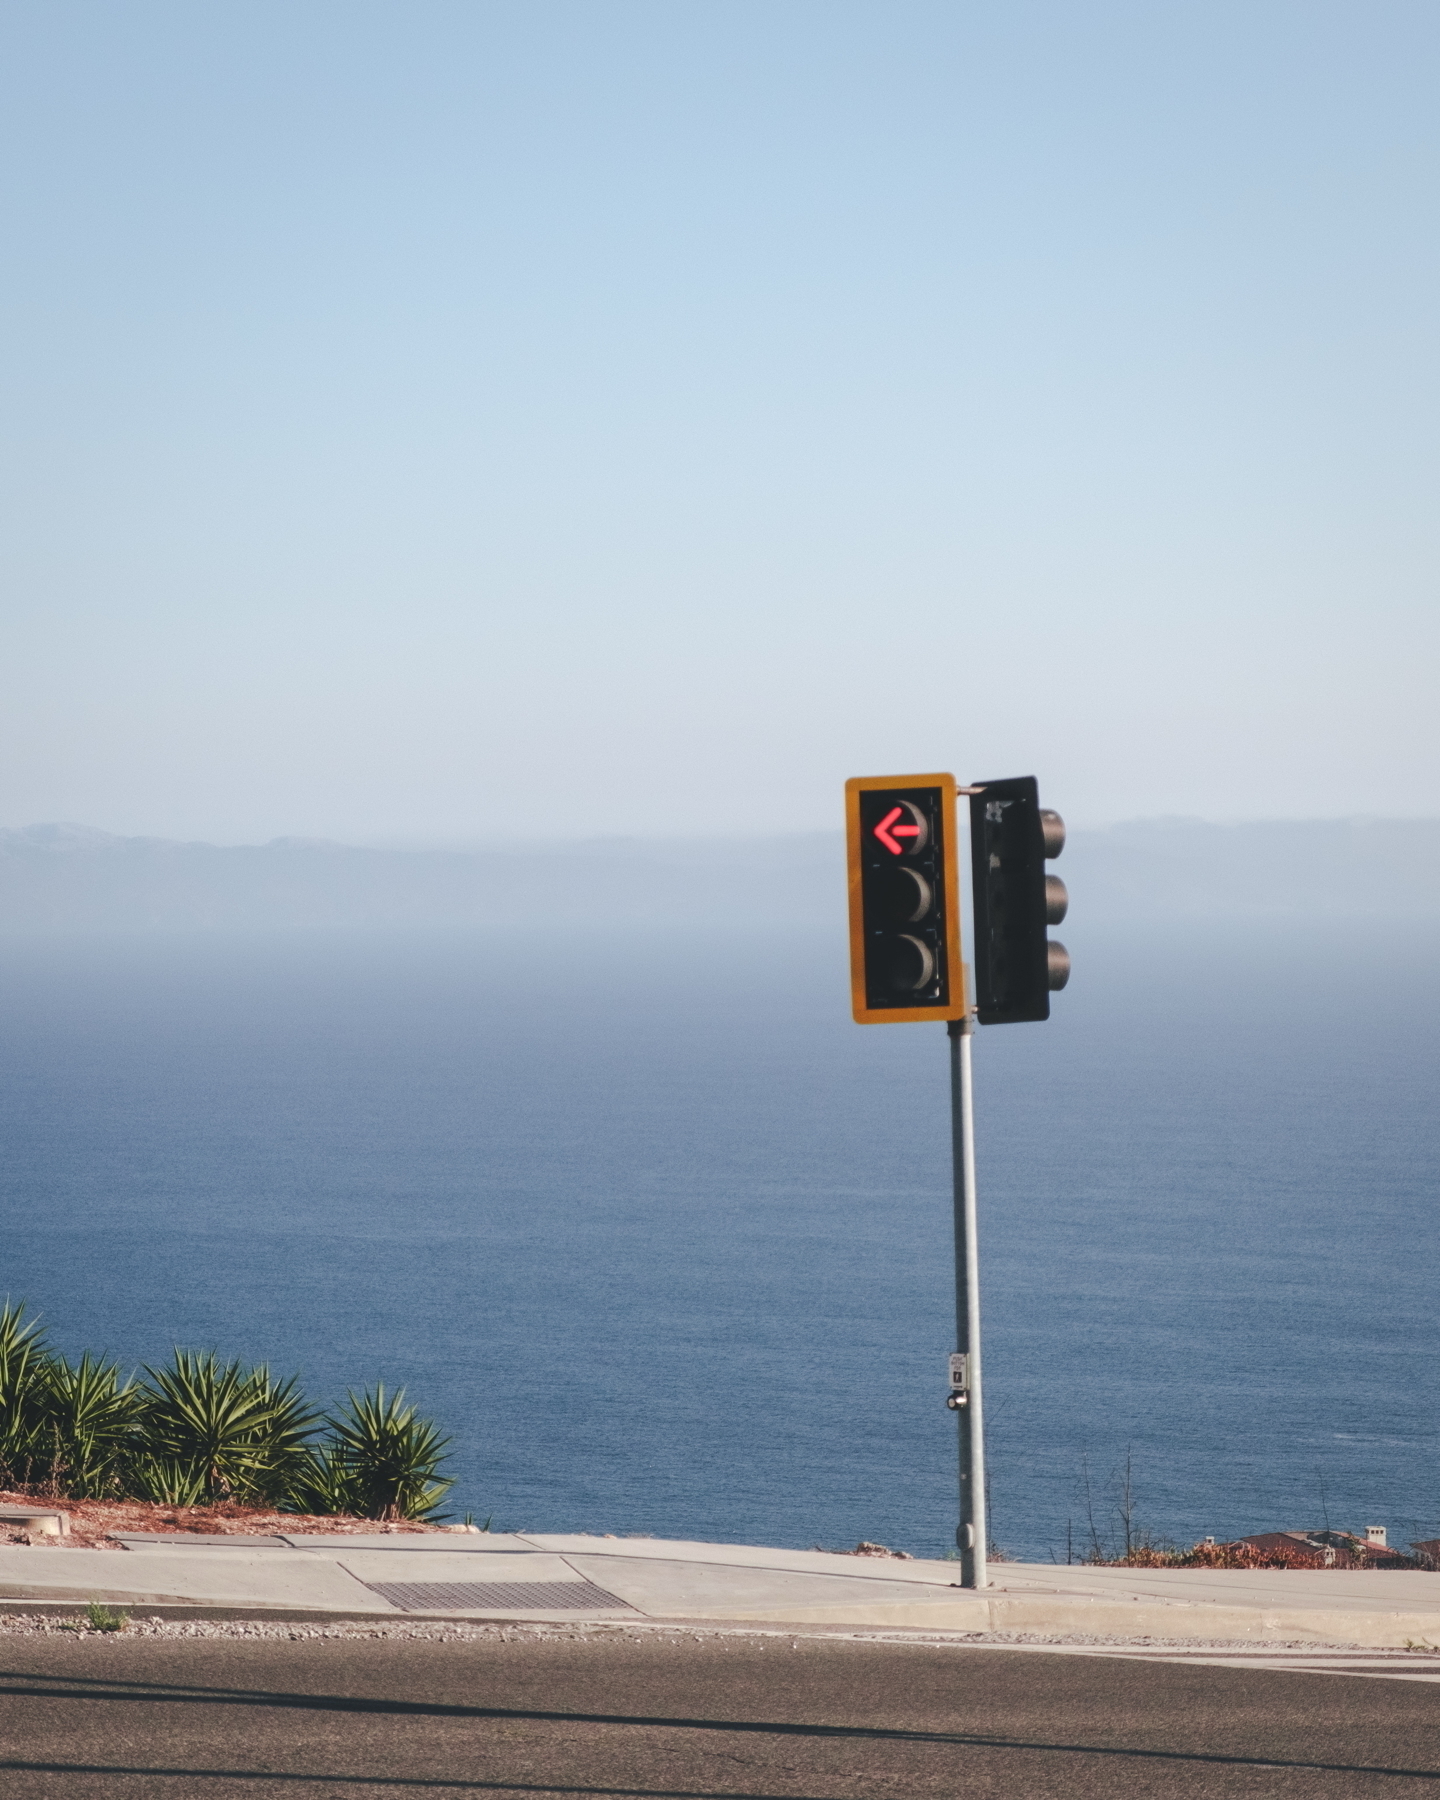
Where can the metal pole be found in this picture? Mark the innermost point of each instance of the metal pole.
(971, 1536)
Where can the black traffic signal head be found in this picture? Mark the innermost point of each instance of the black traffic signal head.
(1016, 966)
(905, 957)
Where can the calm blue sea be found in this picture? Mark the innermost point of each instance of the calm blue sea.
(663, 1238)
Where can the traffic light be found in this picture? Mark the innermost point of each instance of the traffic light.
(905, 957)
(1016, 966)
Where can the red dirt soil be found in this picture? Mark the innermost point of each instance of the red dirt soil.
(93, 1522)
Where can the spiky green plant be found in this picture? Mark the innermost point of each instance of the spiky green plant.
(201, 1430)
(390, 1458)
(323, 1484)
(292, 1425)
(238, 1432)
(24, 1367)
(90, 1417)
(166, 1482)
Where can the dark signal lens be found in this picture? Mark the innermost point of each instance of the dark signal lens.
(909, 964)
(902, 895)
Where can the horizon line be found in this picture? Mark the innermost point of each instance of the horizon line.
(397, 844)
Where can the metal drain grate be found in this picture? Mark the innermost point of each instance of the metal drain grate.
(471, 1596)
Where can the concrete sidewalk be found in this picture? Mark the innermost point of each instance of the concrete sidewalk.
(486, 1576)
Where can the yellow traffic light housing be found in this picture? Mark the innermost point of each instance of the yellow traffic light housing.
(905, 952)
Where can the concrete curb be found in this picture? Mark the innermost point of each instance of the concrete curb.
(1068, 1618)
(960, 1618)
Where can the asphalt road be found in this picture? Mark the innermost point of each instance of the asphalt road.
(658, 1719)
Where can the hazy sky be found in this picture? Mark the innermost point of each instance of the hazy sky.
(446, 420)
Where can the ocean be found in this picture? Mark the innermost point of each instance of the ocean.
(663, 1240)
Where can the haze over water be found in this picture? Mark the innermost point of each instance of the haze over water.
(663, 1238)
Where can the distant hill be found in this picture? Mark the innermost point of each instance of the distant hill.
(71, 877)
(1336, 868)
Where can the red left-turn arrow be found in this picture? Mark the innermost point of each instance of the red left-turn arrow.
(888, 831)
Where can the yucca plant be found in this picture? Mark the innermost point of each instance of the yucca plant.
(24, 1366)
(239, 1433)
(168, 1483)
(293, 1423)
(323, 1484)
(200, 1430)
(387, 1459)
(90, 1417)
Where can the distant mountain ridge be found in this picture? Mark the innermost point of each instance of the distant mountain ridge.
(69, 877)
(75, 877)
(1176, 868)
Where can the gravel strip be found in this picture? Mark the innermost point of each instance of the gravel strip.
(601, 1633)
